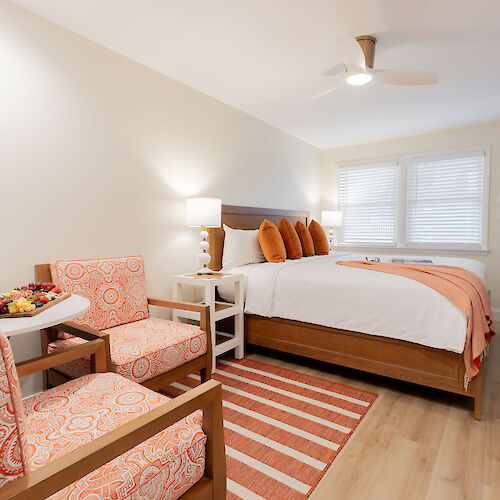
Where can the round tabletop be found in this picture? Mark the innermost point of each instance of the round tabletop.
(55, 315)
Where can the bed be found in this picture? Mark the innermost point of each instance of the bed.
(378, 323)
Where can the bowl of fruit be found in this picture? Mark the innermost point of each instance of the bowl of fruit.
(30, 300)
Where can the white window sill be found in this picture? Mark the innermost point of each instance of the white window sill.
(413, 250)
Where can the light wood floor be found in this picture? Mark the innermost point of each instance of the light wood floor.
(414, 443)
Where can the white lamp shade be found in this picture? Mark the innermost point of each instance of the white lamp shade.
(203, 212)
(331, 218)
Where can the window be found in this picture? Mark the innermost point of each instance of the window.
(445, 201)
(368, 201)
(433, 201)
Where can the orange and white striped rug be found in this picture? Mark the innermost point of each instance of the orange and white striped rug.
(283, 428)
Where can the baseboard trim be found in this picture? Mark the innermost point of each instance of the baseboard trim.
(496, 313)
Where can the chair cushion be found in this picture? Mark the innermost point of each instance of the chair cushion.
(143, 349)
(13, 460)
(116, 288)
(77, 412)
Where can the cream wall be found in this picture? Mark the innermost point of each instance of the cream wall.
(98, 154)
(478, 135)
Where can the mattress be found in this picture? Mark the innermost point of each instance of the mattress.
(316, 290)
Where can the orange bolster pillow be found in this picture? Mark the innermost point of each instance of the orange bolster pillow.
(319, 238)
(305, 239)
(290, 239)
(271, 242)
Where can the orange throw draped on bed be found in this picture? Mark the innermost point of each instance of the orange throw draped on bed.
(464, 289)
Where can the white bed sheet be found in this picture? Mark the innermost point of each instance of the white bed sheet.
(317, 290)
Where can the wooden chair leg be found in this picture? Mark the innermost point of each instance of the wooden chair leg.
(206, 372)
(205, 375)
(215, 464)
(45, 380)
(47, 336)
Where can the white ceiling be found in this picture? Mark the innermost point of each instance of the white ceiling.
(266, 57)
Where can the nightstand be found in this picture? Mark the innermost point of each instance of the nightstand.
(218, 310)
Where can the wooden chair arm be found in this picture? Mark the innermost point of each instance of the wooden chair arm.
(177, 304)
(204, 320)
(67, 469)
(84, 332)
(97, 347)
(87, 333)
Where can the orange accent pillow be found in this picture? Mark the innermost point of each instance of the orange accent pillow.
(271, 242)
(319, 238)
(305, 238)
(290, 239)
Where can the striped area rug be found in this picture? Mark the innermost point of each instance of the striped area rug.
(283, 428)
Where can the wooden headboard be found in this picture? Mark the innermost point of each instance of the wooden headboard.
(246, 218)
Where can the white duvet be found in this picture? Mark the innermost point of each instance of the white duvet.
(317, 290)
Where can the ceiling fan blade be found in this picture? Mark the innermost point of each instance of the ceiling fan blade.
(335, 70)
(336, 86)
(405, 77)
(349, 51)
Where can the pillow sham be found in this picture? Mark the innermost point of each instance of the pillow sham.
(305, 238)
(241, 247)
(290, 239)
(271, 242)
(320, 241)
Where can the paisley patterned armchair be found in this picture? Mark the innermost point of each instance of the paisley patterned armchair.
(147, 350)
(104, 436)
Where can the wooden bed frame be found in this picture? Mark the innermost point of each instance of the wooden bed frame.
(393, 358)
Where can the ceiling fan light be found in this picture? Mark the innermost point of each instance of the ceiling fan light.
(359, 78)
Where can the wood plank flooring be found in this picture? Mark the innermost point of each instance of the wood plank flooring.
(415, 443)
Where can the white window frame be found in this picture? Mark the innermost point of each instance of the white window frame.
(402, 194)
(367, 164)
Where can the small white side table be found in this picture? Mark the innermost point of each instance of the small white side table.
(218, 310)
(63, 311)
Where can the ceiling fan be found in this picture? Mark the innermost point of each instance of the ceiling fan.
(357, 55)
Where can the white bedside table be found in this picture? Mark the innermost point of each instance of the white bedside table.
(218, 310)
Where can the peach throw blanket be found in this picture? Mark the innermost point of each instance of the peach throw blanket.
(464, 289)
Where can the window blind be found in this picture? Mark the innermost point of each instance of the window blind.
(368, 201)
(445, 201)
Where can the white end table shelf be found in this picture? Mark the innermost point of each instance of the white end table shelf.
(218, 310)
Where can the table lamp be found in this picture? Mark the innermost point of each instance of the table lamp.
(331, 219)
(203, 212)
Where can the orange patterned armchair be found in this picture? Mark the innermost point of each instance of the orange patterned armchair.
(150, 351)
(104, 436)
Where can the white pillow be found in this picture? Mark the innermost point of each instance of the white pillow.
(241, 247)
